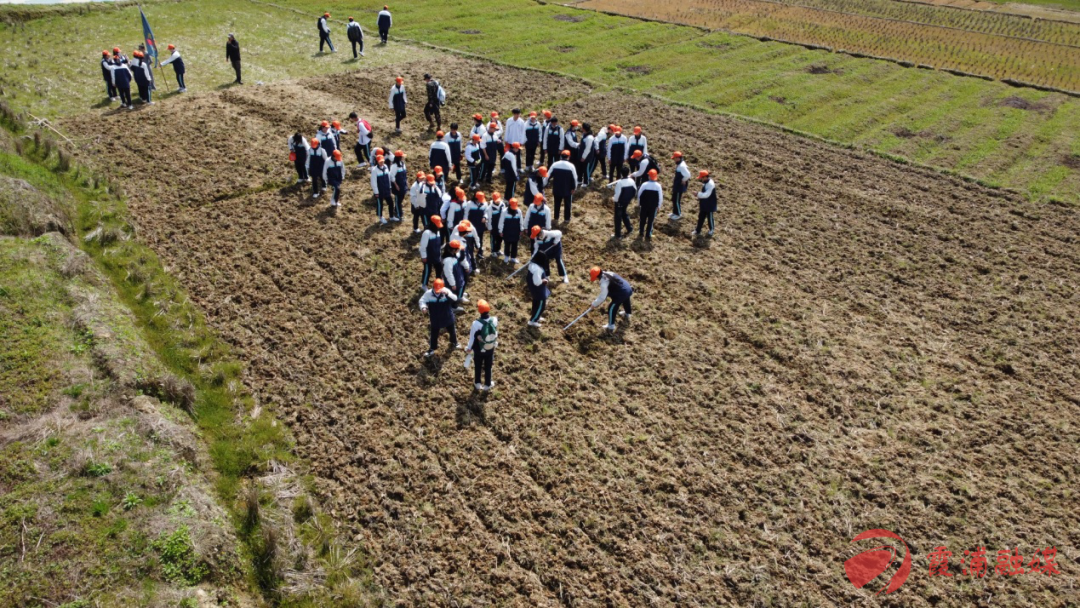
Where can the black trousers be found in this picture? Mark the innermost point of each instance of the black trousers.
(603, 165)
(613, 309)
(568, 200)
(324, 39)
(418, 218)
(431, 271)
(622, 218)
(180, 80)
(395, 209)
(701, 217)
(510, 247)
(125, 95)
(363, 152)
(489, 170)
(457, 169)
(236, 68)
(676, 202)
(511, 184)
(431, 112)
(496, 241)
(648, 216)
(482, 362)
(354, 43)
(110, 89)
(538, 306)
(144, 90)
(433, 342)
(383, 34)
(317, 183)
(301, 168)
(530, 154)
(337, 193)
(399, 115)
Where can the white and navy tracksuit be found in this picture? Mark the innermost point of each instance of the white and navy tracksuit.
(472, 246)
(588, 158)
(381, 184)
(324, 35)
(706, 205)
(121, 77)
(564, 180)
(333, 175)
(650, 197)
(363, 143)
(533, 129)
(399, 185)
(327, 141)
(645, 164)
(337, 136)
(619, 290)
(456, 270)
(398, 100)
(384, 22)
(510, 172)
(106, 73)
(553, 138)
(534, 185)
(679, 187)
(600, 151)
(440, 309)
(301, 151)
(355, 36)
(635, 143)
(433, 202)
(142, 78)
(439, 156)
(491, 144)
(451, 212)
(416, 202)
(317, 159)
(550, 245)
(510, 222)
(476, 164)
(535, 278)
(625, 193)
(616, 154)
(482, 359)
(494, 216)
(537, 216)
(430, 254)
(453, 141)
(477, 214)
(572, 142)
(178, 67)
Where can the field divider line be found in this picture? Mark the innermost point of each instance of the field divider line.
(982, 11)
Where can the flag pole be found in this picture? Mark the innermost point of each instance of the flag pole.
(151, 41)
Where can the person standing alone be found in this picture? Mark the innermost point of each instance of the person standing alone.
(324, 33)
(483, 338)
(355, 36)
(385, 21)
(232, 53)
(435, 99)
(178, 67)
(398, 100)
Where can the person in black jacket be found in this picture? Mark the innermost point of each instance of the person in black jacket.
(232, 54)
(324, 33)
(106, 73)
(356, 36)
(385, 21)
(121, 78)
(433, 105)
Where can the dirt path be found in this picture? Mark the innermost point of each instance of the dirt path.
(862, 345)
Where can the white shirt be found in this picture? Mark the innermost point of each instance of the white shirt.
(415, 197)
(627, 182)
(651, 185)
(323, 25)
(295, 148)
(448, 268)
(477, 325)
(707, 189)
(604, 283)
(536, 274)
(439, 145)
(513, 160)
(617, 139)
(528, 214)
(175, 55)
(548, 238)
(638, 140)
(316, 152)
(515, 131)
(429, 296)
(424, 238)
(375, 173)
(398, 88)
(683, 170)
(643, 166)
(363, 135)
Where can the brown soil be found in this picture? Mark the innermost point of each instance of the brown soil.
(862, 345)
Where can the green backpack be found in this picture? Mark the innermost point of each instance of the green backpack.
(488, 335)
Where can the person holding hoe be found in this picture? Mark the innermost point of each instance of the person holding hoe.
(615, 287)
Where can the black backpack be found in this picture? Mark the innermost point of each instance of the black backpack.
(354, 34)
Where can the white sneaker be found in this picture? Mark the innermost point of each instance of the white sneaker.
(710, 233)
(532, 324)
(476, 271)
(149, 103)
(395, 219)
(566, 280)
(361, 53)
(382, 221)
(693, 234)
(494, 254)
(418, 231)
(307, 181)
(429, 354)
(515, 260)
(316, 195)
(479, 386)
(361, 165)
(465, 298)
(542, 319)
(608, 327)
(490, 386)
(506, 259)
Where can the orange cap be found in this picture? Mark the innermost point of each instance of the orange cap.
(494, 114)
(532, 114)
(547, 113)
(611, 127)
(104, 53)
(482, 306)
(703, 174)
(456, 244)
(475, 137)
(676, 154)
(492, 125)
(566, 153)
(636, 154)
(478, 116)
(399, 154)
(436, 220)
(377, 151)
(438, 285)
(495, 196)
(399, 80)
(652, 174)
(337, 125)
(326, 14)
(594, 273)
(459, 194)
(430, 179)
(378, 158)
(480, 197)
(116, 49)
(439, 134)
(172, 47)
(542, 171)
(618, 129)
(337, 155)
(438, 170)
(513, 203)
(535, 231)
(574, 123)
(515, 145)
(420, 175)
(538, 199)
(314, 142)
(637, 130)
(324, 124)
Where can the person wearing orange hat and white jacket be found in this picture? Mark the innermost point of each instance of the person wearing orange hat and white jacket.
(616, 152)
(679, 187)
(431, 249)
(399, 185)
(439, 302)
(178, 66)
(452, 211)
(536, 278)
(498, 124)
(317, 159)
(466, 233)
(398, 100)
(650, 198)
(564, 180)
(382, 185)
(588, 155)
(440, 179)
(456, 270)
(509, 168)
(121, 77)
(572, 142)
(625, 193)
(645, 163)
(478, 128)
(553, 140)
(533, 131)
(336, 131)
(416, 202)
(439, 153)
(706, 203)
(536, 183)
(106, 73)
(549, 242)
(433, 198)
(545, 125)
(363, 140)
(489, 146)
(475, 158)
(333, 175)
(453, 141)
(327, 141)
(478, 212)
(355, 35)
(141, 71)
(494, 215)
(600, 149)
(483, 339)
(384, 22)
(298, 153)
(615, 287)
(510, 223)
(637, 143)
(324, 33)
(537, 215)
(515, 133)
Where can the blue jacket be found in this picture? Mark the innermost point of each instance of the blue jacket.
(335, 174)
(512, 226)
(618, 288)
(540, 292)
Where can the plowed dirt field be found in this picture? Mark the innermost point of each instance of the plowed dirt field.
(862, 345)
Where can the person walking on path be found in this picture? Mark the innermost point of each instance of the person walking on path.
(178, 67)
(537, 280)
(439, 302)
(355, 35)
(625, 193)
(564, 180)
(549, 243)
(334, 175)
(232, 55)
(298, 154)
(431, 250)
(324, 33)
(106, 74)
(706, 203)
(510, 222)
(317, 159)
(650, 197)
(483, 339)
(615, 287)
(679, 186)
(398, 100)
(435, 99)
(384, 22)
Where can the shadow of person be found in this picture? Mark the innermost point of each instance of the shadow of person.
(472, 410)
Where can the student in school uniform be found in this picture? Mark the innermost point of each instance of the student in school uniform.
(679, 186)
(439, 153)
(317, 159)
(706, 203)
(533, 129)
(439, 302)
(298, 153)
(178, 67)
(333, 176)
(510, 169)
(510, 223)
(381, 184)
(475, 159)
(398, 101)
(494, 216)
(453, 141)
(399, 184)
(416, 202)
(431, 250)
(363, 140)
(564, 180)
(477, 212)
(106, 74)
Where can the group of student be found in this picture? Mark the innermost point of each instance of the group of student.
(118, 72)
(353, 31)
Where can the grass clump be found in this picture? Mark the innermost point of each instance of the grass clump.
(179, 562)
